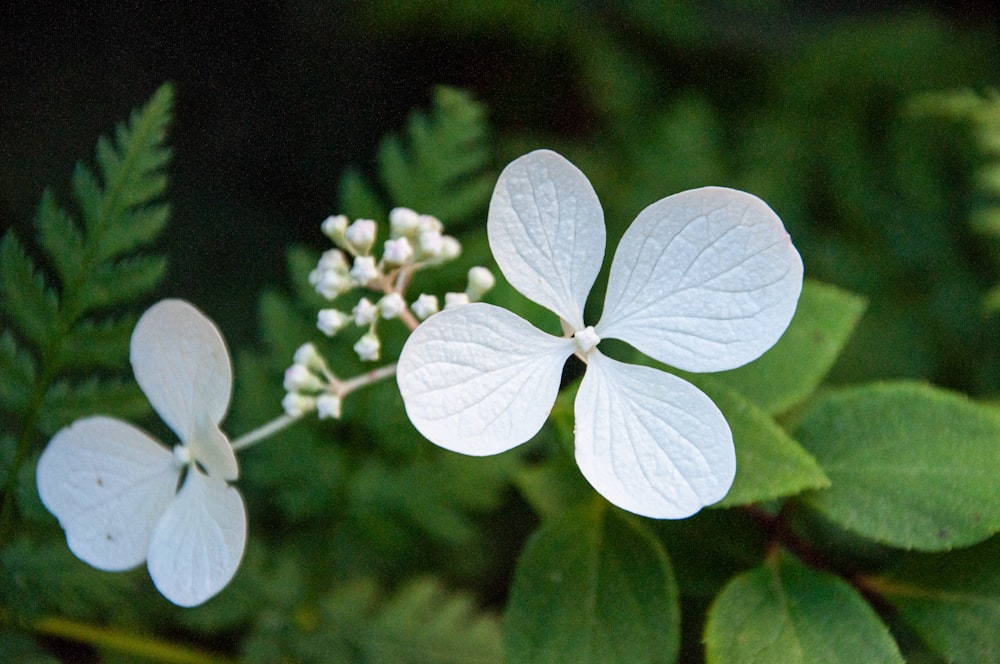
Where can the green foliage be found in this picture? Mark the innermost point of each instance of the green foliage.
(441, 165)
(62, 323)
(592, 587)
(909, 465)
(952, 601)
(785, 612)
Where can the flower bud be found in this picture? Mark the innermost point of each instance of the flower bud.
(402, 221)
(361, 235)
(334, 226)
(424, 306)
(368, 347)
(397, 251)
(390, 305)
(450, 249)
(296, 405)
(364, 312)
(299, 378)
(452, 300)
(481, 281)
(331, 321)
(328, 406)
(364, 270)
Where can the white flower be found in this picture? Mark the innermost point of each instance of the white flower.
(297, 405)
(115, 490)
(402, 221)
(361, 234)
(368, 347)
(452, 300)
(481, 281)
(391, 305)
(397, 251)
(364, 270)
(328, 406)
(424, 306)
(331, 321)
(334, 227)
(704, 280)
(298, 378)
(364, 312)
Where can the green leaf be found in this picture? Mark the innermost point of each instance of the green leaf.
(357, 200)
(769, 463)
(441, 168)
(93, 344)
(788, 373)
(27, 300)
(951, 600)
(911, 465)
(592, 587)
(786, 613)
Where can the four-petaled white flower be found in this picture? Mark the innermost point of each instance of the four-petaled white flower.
(704, 280)
(115, 489)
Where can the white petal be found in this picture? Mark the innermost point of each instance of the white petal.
(546, 229)
(480, 380)
(181, 363)
(212, 449)
(704, 280)
(108, 483)
(198, 544)
(650, 442)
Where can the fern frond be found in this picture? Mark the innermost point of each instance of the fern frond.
(56, 326)
(440, 167)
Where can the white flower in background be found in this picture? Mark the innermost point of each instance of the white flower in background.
(704, 280)
(424, 306)
(115, 489)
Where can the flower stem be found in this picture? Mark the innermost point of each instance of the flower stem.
(265, 431)
(123, 642)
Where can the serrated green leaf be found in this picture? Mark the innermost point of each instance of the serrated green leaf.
(120, 282)
(952, 600)
(17, 374)
(795, 366)
(60, 238)
(27, 300)
(357, 200)
(786, 613)
(769, 463)
(593, 587)
(910, 465)
(65, 402)
(94, 344)
(441, 168)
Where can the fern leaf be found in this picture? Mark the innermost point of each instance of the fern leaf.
(27, 300)
(54, 327)
(443, 167)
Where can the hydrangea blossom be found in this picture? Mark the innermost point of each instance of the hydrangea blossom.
(115, 489)
(704, 280)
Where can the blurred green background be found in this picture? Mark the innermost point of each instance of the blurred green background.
(807, 104)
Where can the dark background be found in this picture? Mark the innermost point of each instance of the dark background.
(274, 99)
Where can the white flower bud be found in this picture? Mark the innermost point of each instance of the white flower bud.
(481, 281)
(334, 226)
(296, 405)
(328, 406)
(333, 259)
(368, 347)
(361, 235)
(402, 221)
(299, 378)
(364, 270)
(390, 305)
(424, 306)
(452, 300)
(331, 321)
(329, 284)
(364, 312)
(429, 243)
(450, 249)
(429, 223)
(308, 355)
(397, 251)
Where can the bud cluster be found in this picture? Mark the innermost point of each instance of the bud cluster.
(310, 385)
(416, 241)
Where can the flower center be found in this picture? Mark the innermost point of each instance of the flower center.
(586, 339)
(182, 455)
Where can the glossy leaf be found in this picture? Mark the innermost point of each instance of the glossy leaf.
(910, 465)
(795, 366)
(592, 588)
(786, 613)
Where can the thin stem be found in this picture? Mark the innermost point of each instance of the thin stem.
(265, 431)
(123, 642)
(373, 376)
